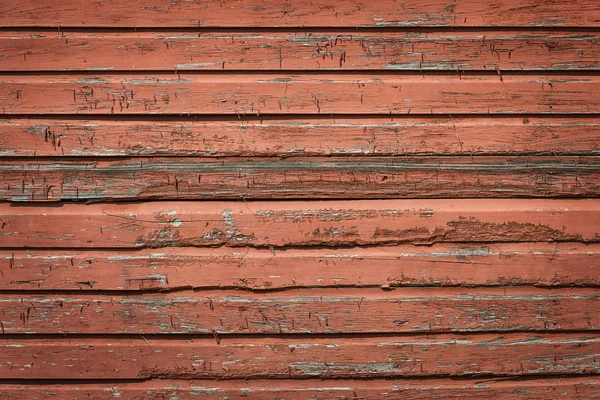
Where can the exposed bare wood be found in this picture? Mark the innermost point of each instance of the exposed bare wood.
(240, 94)
(326, 178)
(327, 223)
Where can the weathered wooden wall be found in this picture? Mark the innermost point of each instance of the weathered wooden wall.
(304, 200)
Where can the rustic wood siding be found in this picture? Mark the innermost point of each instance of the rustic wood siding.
(302, 200)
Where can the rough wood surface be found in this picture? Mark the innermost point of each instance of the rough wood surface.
(67, 51)
(522, 354)
(302, 137)
(258, 13)
(310, 178)
(584, 388)
(541, 264)
(238, 155)
(240, 94)
(344, 311)
(298, 223)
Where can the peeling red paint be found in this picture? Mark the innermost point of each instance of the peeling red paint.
(328, 177)
(249, 94)
(318, 199)
(342, 13)
(437, 389)
(505, 355)
(308, 311)
(285, 224)
(495, 50)
(539, 264)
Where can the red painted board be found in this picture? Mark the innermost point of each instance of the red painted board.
(258, 389)
(400, 136)
(342, 311)
(518, 354)
(150, 51)
(298, 223)
(320, 13)
(299, 178)
(241, 94)
(540, 264)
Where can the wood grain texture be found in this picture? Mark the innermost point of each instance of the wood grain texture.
(68, 51)
(248, 358)
(302, 137)
(342, 311)
(257, 13)
(239, 94)
(540, 264)
(310, 178)
(401, 196)
(277, 224)
(583, 388)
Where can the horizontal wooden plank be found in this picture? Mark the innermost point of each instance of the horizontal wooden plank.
(237, 94)
(258, 389)
(541, 264)
(297, 137)
(67, 51)
(257, 13)
(326, 178)
(298, 223)
(246, 358)
(348, 310)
